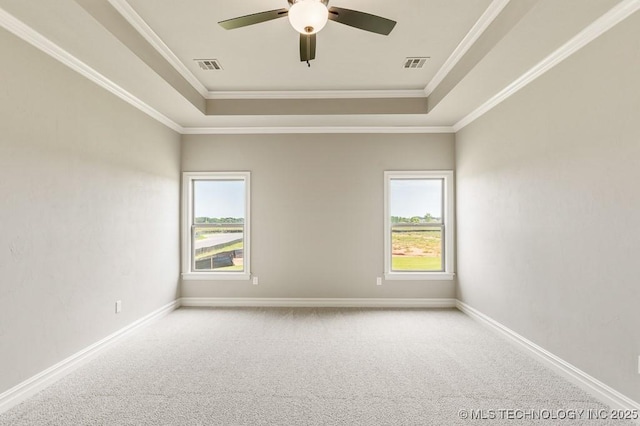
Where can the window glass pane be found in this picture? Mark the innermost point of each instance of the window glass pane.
(219, 207)
(416, 200)
(219, 201)
(415, 207)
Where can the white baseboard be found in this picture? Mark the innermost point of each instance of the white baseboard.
(316, 302)
(594, 387)
(33, 385)
(589, 384)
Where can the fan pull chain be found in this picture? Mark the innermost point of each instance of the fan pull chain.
(308, 64)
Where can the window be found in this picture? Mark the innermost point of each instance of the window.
(418, 225)
(215, 234)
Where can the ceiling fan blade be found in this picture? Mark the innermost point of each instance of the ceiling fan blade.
(256, 18)
(361, 20)
(307, 47)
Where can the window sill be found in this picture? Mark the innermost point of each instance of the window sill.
(419, 276)
(215, 276)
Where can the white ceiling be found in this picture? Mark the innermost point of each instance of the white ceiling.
(478, 49)
(265, 56)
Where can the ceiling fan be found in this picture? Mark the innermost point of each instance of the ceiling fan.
(310, 16)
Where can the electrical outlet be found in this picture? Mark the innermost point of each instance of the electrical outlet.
(255, 280)
(118, 306)
(379, 281)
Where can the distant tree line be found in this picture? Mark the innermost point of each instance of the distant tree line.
(416, 219)
(223, 220)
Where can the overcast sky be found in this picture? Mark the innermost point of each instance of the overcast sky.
(219, 198)
(415, 197)
(409, 197)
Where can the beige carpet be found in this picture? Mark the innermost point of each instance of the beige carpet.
(280, 366)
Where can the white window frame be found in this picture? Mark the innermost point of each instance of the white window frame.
(447, 219)
(187, 222)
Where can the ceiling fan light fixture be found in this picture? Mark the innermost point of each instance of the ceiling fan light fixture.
(308, 16)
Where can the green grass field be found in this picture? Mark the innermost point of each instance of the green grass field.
(407, 263)
(230, 268)
(417, 250)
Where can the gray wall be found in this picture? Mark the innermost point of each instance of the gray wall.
(90, 208)
(317, 210)
(548, 210)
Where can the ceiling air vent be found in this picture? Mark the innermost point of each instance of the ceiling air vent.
(209, 64)
(415, 62)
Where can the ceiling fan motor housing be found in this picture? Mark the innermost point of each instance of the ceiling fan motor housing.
(292, 2)
(308, 16)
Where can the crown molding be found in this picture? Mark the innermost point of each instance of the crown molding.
(598, 27)
(136, 21)
(156, 42)
(28, 34)
(472, 36)
(317, 94)
(614, 16)
(315, 130)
